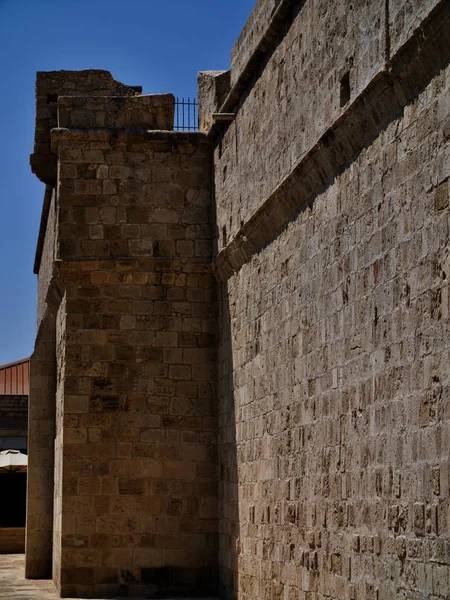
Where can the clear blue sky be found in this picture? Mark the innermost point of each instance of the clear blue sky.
(160, 45)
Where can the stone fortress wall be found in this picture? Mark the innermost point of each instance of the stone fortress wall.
(332, 193)
(242, 350)
(126, 345)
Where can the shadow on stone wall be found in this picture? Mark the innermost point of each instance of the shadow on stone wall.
(228, 477)
(41, 436)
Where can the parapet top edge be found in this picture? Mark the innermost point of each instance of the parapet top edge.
(99, 134)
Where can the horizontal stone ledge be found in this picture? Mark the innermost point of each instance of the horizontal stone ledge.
(384, 99)
(59, 134)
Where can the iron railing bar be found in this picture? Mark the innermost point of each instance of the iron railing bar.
(186, 114)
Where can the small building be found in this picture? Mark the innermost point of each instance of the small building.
(14, 389)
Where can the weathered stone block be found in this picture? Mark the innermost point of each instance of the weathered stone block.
(213, 87)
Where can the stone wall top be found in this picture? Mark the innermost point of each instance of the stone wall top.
(49, 86)
(251, 35)
(154, 112)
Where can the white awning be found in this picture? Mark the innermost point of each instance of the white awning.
(13, 460)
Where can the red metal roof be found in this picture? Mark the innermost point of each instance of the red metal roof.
(15, 378)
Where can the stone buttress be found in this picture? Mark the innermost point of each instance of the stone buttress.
(123, 425)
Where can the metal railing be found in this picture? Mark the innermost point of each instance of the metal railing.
(186, 114)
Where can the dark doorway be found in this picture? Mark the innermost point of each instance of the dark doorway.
(13, 496)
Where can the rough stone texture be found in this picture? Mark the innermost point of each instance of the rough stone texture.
(47, 254)
(13, 416)
(334, 324)
(332, 269)
(58, 567)
(138, 446)
(41, 434)
(135, 470)
(251, 35)
(49, 86)
(112, 112)
(13, 584)
(404, 17)
(334, 386)
(213, 87)
(12, 540)
(295, 99)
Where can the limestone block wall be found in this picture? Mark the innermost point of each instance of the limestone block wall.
(60, 328)
(136, 418)
(42, 401)
(41, 436)
(13, 416)
(309, 458)
(251, 35)
(333, 258)
(44, 266)
(404, 17)
(213, 87)
(137, 112)
(293, 97)
(12, 540)
(49, 86)
(334, 383)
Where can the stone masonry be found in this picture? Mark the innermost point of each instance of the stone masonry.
(127, 281)
(240, 383)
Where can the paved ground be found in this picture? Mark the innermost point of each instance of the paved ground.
(14, 586)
